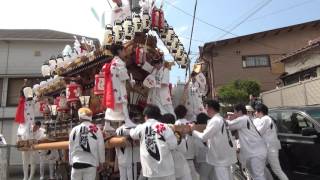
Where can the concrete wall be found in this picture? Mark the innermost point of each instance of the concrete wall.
(17, 59)
(227, 62)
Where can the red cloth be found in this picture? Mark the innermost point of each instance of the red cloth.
(108, 95)
(20, 111)
(138, 56)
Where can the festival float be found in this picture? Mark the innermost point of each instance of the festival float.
(75, 78)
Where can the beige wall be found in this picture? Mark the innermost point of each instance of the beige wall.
(228, 64)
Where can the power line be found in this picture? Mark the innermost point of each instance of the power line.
(281, 10)
(247, 17)
(217, 27)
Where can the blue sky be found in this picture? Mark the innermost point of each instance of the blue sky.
(227, 13)
(75, 16)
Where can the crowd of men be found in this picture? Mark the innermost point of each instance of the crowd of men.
(166, 155)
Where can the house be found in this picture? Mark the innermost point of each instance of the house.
(22, 53)
(254, 56)
(302, 64)
(301, 78)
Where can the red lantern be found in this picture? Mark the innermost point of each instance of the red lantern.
(61, 103)
(99, 84)
(42, 106)
(161, 19)
(73, 92)
(155, 18)
(140, 56)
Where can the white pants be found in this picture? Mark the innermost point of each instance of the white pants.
(84, 174)
(222, 173)
(51, 164)
(29, 157)
(193, 172)
(256, 167)
(205, 170)
(171, 177)
(273, 160)
(127, 171)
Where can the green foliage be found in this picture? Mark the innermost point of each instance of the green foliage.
(238, 91)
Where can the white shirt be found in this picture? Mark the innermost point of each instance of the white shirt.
(86, 144)
(156, 142)
(251, 143)
(125, 154)
(220, 151)
(190, 146)
(268, 130)
(181, 166)
(201, 151)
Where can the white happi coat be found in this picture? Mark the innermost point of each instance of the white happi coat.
(181, 167)
(194, 102)
(156, 142)
(220, 153)
(268, 130)
(86, 145)
(190, 152)
(120, 13)
(159, 94)
(119, 76)
(25, 129)
(251, 143)
(126, 155)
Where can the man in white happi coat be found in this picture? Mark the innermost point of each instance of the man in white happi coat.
(181, 166)
(115, 95)
(196, 89)
(157, 140)
(128, 157)
(268, 131)
(158, 83)
(86, 148)
(222, 151)
(253, 149)
(189, 154)
(25, 118)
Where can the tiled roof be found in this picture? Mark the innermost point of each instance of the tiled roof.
(311, 44)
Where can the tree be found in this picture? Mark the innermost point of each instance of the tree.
(238, 91)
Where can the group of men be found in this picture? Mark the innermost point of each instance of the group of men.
(164, 154)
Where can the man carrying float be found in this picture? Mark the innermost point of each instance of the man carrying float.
(196, 89)
(158, 83)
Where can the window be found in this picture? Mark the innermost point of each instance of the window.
(14, 88)
(284, 121)
(255, 61)
(299, 122)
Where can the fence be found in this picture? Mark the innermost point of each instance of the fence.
(298, 94)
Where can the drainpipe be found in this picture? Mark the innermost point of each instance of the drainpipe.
(5, 87)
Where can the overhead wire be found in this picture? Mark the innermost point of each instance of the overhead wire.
(247, 17)
(281, 10)
(217, 27)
